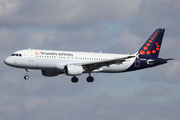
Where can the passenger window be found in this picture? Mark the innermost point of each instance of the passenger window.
(16, 54)
(20, 55)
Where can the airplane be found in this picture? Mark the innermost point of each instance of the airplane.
(52, 63)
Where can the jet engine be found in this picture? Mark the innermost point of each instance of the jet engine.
(73, 70)
(50, 73)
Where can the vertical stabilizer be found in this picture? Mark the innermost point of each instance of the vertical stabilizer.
(152, 46)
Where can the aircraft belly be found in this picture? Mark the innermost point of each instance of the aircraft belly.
(35, 63)
(45, 64)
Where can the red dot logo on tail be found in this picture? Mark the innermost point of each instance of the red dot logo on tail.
(148, 52)
(142, 52)
(145, 47)
(148, 44)
(153, 51)
(152, 38)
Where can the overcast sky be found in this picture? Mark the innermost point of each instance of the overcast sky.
(110, 26)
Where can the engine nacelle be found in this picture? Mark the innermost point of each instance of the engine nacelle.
(73, 70)
(50, 73)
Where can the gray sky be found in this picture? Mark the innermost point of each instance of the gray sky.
(111, 26)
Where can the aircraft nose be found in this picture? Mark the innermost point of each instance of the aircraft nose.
(8, 61)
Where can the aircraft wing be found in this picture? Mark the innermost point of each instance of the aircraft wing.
(90, 66)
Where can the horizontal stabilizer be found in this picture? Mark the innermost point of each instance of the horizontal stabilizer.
(151, 61)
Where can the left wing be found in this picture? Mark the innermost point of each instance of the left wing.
(90, 66)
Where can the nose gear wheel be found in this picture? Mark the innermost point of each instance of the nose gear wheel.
(26, 77)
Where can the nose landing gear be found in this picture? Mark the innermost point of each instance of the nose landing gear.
(26, 77)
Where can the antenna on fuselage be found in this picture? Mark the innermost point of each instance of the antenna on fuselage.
(29, 48)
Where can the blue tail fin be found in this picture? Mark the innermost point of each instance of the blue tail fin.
(152, 46)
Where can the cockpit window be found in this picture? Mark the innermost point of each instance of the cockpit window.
(20, 55)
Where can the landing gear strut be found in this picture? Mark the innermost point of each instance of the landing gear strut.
(26, 77)
(90, 78)
(74, 79)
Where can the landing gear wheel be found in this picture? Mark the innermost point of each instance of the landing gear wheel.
(26, 77)
(90, 79)
(74, 79)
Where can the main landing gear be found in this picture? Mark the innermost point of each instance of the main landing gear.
(26, 77)
(89, 79)
(74, 79)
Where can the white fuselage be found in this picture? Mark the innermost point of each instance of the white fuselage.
(48, 59)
